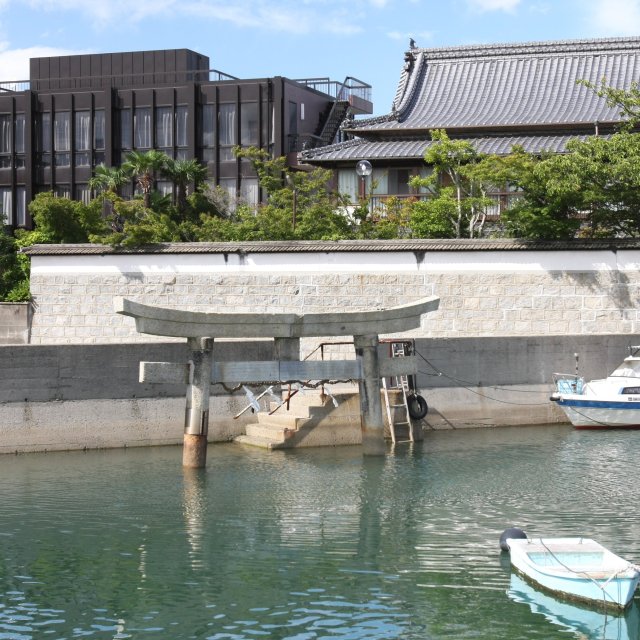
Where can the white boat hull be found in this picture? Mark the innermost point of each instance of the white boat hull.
(589, 412)
(577, 568)
(612, 402)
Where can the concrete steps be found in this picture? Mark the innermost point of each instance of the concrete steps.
(256, 441)
(309, 422)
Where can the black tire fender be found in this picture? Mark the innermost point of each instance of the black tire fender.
(418, 407)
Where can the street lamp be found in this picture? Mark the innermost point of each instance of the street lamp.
(363, 169)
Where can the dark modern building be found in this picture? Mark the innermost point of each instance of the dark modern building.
(494, 96)
(77, 112)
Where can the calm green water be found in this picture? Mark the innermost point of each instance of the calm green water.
(308, 544)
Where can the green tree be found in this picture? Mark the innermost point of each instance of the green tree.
(14, 278)
(627, 100)
(299, 204)
(184, 173)
(463, 197)
(435, 217)
(63, 221)
(129, 226)
(108, 179)
(592, 190)
(143, 166)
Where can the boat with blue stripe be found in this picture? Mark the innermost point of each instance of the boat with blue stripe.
(613, 402)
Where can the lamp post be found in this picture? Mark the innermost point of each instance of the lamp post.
(363, 169)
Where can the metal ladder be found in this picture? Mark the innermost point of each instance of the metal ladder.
(398, 350)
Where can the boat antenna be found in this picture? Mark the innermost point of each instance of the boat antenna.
(577, 357)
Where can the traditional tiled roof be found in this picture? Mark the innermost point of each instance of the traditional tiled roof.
(403, 149)
(510, 85)
(318, 246)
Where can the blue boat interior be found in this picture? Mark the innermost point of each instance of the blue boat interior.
(572, 560)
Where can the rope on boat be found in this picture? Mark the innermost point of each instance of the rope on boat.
(464, 385)
(589, 418)
(601, 585)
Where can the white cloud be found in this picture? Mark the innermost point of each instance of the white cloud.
(107, 12)
(14, 63)
(493, 5)
(299, 18)
(420, 36)
(614, 17)
(288, 16)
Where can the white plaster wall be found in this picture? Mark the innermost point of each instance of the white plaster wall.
(483, 293)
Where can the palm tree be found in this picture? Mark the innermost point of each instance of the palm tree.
(183, 173)
(143, 165)
(108, 179)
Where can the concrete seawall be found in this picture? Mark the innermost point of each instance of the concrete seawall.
(83, 396)
(511, 313)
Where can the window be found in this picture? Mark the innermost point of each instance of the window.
(348, 183)
(142, 128)
(249, 124)
(43, 140)
(268, 127)
(82, 142)
(6, 206)
(20, 123)
(208, 133)
(164, 128)
(399, 182)
(21, 206)
(62, 138)
(379, 182)
(230, 186)
(182, 123)
(63, 191)
(5, 141)
(165, 187)
(249, 191)
(227, 131)
(124, 122)
(98, 137)
(83, 193)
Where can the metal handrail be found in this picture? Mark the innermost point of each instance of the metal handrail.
(188, 75)
(350, 86)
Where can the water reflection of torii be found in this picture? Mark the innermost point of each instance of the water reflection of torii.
(200, 329)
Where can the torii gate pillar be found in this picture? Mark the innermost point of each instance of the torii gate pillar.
(196, 420)
(373, 443)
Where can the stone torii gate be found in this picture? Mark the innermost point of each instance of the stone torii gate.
(201, 329)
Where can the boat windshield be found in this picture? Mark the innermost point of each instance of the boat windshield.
(630, 368)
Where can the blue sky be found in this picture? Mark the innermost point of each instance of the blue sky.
(297, 38)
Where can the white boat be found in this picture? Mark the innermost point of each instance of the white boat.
(582, 620)
(576, 568)
(611, 402)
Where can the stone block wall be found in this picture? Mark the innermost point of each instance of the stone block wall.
(15, 322)
(481, 293)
